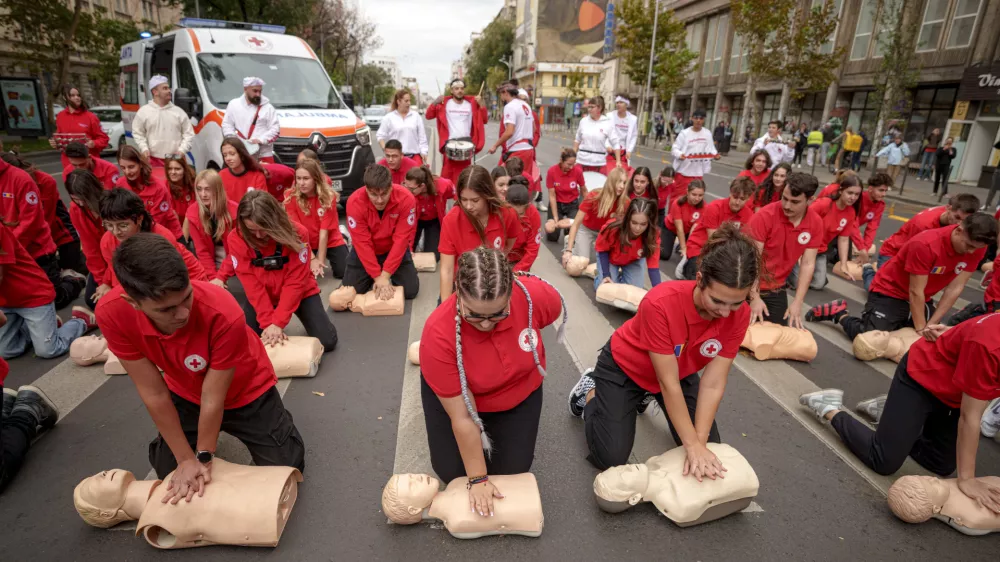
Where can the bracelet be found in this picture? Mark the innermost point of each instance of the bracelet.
(477, 480)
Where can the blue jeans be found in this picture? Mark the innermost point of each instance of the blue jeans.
(869, 273)
(925, 166)
(631, 274)
(818, 280)
(37, 326)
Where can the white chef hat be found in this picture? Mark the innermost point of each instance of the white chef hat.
(156, 81)
(522, 93)
(252, 81)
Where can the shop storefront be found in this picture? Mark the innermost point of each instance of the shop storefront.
(975, 123)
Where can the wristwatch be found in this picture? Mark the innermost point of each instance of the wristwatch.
(204, 457)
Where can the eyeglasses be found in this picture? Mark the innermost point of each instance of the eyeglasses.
(179, 157)
(118, 228)
(482, 318)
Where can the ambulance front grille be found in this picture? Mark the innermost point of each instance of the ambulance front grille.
(336, 158)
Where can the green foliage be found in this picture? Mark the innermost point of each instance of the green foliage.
(634, 36)
(383, 94)
(807, 68)
(296, 15)
(575, 80)
(494, 44)
(763, 27)
(899, 69)
(365, 81)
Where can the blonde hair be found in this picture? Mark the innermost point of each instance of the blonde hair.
(263, 209)
(220, 201)
(95, 516)
(609, 202)
(327, 196)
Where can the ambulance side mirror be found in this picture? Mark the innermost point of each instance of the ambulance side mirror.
(189, 103)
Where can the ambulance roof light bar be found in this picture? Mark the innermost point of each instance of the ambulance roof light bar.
(221, 24)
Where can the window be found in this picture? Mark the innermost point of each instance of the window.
(739, 59)
(886, 23)
(706, 65)
(863, 32)
(186, 77)
(590, 81)
(718, 28)
(838, 6)
(130, 77)
(293, 83)
(930, 30)
(963, 23)
(555, 79)
(563, 80)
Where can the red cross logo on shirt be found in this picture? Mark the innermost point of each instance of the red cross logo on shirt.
(195, 362)
(711, 348)
(255, 41)
(526, 338)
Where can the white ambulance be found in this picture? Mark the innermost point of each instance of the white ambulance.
(206, 61)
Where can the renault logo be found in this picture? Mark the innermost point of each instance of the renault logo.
(318, 142)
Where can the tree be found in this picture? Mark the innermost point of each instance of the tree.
(899, 70)
(634, 37)
(293, 14)
(575, 80)
(806, 68)
(366, 80)
(341, 35)
(495, 43)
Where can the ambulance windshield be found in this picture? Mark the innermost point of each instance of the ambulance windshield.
(291, 82)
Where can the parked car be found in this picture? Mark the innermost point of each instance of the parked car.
(373, 116)
(111, 121)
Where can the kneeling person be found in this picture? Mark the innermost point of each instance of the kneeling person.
(216, 374)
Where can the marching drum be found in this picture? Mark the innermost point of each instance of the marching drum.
(62, 139)
(458, 150)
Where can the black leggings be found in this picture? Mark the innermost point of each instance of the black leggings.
(776, 302)
(71, 257)
(431, 229)
(16, 434)
(667, 239)
(89, 290)
(914, 423)
(67, 288)
(609, 417)
(337, 258)
(513, 433)
(406, 275)
(882, 313)
(313, 316)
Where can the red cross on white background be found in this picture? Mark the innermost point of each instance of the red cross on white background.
(711, 349)
(255, 41)
(195, 364)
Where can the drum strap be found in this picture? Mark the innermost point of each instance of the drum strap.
(253, 126)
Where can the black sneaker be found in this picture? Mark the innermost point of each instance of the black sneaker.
(827, 311)
(31, 399)
(9, 397)
(646, 401)
(578, 395)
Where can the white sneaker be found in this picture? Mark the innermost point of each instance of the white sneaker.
(872, 407)
(822, 402)
(990, 425)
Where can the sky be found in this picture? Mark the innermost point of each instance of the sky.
(425, 36)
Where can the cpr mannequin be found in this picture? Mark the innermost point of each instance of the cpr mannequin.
(88, 350)
(890, 345)
(242, 506)
(411, 498)
(767, 340)
(682, 499)
(916, 499)
(871, 251)
(298, 356)
(591, 271)
(621, 295)
(853, 268)
(551, 225)
(413, 352)
(575, 265)
(344, 298)
(424, 261)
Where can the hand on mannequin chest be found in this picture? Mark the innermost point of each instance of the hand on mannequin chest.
(916, 499)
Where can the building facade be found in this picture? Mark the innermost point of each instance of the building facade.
(159, 14)
(390, 66)
(952, 36)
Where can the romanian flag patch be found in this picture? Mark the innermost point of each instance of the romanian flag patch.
(937, 270)
(8, 195)
(678, 349)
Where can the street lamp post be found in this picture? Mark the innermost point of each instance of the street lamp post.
(510, 69)
(649, 73)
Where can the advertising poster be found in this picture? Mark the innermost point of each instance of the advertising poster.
(572, 30)
(22, 109)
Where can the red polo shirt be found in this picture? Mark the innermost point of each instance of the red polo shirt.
(993, 289)
(458, 235)
(24, 284)
(86, 122)
(609, 241)
(49, 192)
(91, 231)
(688, 214)
(181, 204)
(105, 171)
(714, 215)
(4, 370)
(430, 207)
(836, 222)
(829, 190)
(964, 360)
(374, 234)
(929, 253)
(21, 208)
(589, 207)
(566, 184)
(280, 179)
(158, 202)
(238, 185)
(274, 294)
(757, 178)
(662, 195)
(205, 246)
(499, 366)
(784, 243)
(405, 164)
(525, 249)
(668, 323)
(315, 219)
(109, 243)
(216, 336)
(871, 214)
(924, 220)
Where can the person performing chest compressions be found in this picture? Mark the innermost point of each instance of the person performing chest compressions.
(482, 364)
(681, 327)
(270, 254)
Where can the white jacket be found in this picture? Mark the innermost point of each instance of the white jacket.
(162, 130)
(594, 138)
(239, 118)
(698, 150)
(628, 130)
(409, 131)
(776, 149)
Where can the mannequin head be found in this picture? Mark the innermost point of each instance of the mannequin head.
(576, 264)
(916, 499)
(624, 483)
(88, 350)
(99, 498)
(405, 497)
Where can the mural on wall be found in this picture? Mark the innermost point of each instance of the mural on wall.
(571, 30)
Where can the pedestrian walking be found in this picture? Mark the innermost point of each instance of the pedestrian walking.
(894, 152)
(942, 165)
(928, 156)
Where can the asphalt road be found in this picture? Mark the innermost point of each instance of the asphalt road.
(815, 502)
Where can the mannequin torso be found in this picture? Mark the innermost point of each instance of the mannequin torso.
(767, 340)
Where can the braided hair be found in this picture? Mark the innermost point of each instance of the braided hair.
(486, 274)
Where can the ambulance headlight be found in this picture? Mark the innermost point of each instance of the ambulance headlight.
(364, 136)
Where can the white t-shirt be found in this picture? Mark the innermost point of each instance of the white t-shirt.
(594, 138)
(628, 130)
(459, 117)
(409, 131)
(517, 113)
(697, 144)
(776, 149)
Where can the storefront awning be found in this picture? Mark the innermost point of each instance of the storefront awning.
(980, 82)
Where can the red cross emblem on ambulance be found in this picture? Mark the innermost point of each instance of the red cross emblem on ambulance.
(711, 348)
(195, 363)
(255, 41)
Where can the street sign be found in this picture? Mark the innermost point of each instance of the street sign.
(609, 29)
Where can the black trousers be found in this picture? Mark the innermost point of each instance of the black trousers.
(264, 426)
(566, 211)
(89, 290)
(405, 276)
(313, 315)
(667, 239)
(691, 268)
(881, 313)
(71, 257)
(941, 176)
(914, 423)
(609, 417)
(431, 229)
(776, 302)
(67, 288)
(337, 258)
(16, 433)
(972, 310)
(512, 432)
